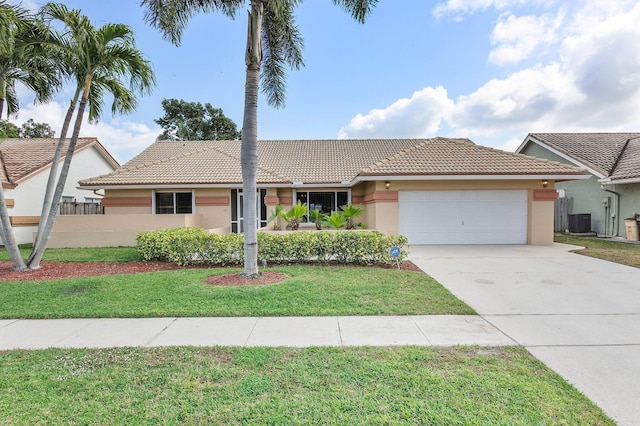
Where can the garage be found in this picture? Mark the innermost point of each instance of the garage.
(463, 216)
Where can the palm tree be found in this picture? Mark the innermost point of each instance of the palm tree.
(99, 60)
(273, 43)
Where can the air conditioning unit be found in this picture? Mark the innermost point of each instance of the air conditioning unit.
(580, 223)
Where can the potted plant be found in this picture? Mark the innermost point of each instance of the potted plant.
(278, 212)
(294, 215)
(335, 221)
(316, 217)
(350, 212)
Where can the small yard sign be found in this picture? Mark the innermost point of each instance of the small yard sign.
(394, 251)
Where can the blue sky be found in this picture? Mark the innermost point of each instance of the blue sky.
(489, 70)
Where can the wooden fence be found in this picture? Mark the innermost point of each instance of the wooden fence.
(562, 209)
(81, 208)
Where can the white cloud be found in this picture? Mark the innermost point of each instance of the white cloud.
(456, 9)
(417, 116)
(516, 38)
(27, 4)
(591, 84)
(123, 139)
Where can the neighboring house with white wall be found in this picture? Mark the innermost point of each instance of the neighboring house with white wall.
(24, 171)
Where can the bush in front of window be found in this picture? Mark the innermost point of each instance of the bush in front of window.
(187, 246)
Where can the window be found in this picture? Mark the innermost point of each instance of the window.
(68, 199)
(326, 201)
(173, 203)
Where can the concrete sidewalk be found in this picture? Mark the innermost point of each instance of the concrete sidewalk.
(427, 330)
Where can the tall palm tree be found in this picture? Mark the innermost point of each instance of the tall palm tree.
(273, 44)
(99, 61)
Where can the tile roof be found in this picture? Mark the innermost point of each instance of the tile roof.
(21, 157)
(440, 156)
(608, 154)
(320, 161)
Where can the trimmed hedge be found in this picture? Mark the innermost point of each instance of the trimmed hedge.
(186, 246)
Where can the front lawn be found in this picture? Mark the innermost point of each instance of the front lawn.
(106, 254)
(350, 386)
(308, 291)
(601, 248)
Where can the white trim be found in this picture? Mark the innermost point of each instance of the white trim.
(610, 181)
(466, 177)
(336, 186)
(559, 154)
(216, 186)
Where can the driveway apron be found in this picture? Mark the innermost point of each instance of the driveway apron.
(578, 315)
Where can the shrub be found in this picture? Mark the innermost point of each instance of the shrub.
(186, 246)
(276, 213)
(316, 217)
(350, 212)
(335, 221)
(294, 215)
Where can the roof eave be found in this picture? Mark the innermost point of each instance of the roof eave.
(179, 186)
(369, 178)
(613, 181)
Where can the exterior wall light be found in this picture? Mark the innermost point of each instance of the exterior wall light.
(387, 185)
(545, 183)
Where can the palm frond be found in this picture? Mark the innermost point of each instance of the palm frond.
(172, 16)
(358, 9)
(282, 48)
(11, 98)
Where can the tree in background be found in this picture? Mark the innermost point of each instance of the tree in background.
(193, 121)
(31, 129)
(273, 44)
(99, 61)
(8, 130)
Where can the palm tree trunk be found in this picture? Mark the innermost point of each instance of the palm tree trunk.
(3, 94)
(6, 233)
(53, 174)
(38, 251)
(249, 150)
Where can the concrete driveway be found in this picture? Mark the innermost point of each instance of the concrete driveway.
(579, 315)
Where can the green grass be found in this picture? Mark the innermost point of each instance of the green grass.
(351, 386)
(309, 291)
(107, 254)
(600, 248)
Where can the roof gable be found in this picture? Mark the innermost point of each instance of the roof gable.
(320, 162)
(20, 158)
(608, 155)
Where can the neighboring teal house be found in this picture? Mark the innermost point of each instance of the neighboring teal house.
(612, 194)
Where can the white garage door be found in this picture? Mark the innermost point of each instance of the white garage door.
(463, 217)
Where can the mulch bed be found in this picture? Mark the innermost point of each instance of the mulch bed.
(59, 270)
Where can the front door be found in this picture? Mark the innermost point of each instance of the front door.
(237, 210)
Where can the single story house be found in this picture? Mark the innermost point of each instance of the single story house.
(612, 160)
(24, 171)
(434, 191)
